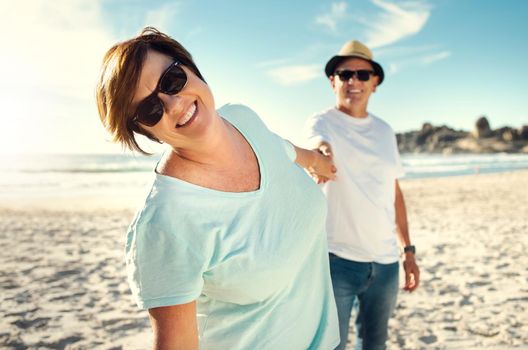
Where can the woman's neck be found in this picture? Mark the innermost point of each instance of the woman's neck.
(221, 148)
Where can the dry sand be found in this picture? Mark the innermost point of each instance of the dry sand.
(62, 281)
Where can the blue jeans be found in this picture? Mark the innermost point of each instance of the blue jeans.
(369, 288)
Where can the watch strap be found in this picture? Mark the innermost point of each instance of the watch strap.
(409, 249)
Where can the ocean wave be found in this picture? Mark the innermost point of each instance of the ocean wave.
(92, 173)
(102, 170)
(72, 164)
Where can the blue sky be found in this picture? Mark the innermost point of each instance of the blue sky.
(446, 61)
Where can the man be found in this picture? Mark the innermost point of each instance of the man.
(366, 209)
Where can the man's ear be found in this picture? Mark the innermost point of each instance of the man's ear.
(376, 83)
(332, 81)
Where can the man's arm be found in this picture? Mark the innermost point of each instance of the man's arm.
(412, 272)
(175, 327)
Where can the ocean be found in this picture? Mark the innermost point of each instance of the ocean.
(82, 174)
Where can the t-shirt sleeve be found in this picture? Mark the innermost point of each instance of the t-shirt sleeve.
(287, 146)
(163, 267)
(400, 171)
(290, 150)
(315, 131)
(249, 117)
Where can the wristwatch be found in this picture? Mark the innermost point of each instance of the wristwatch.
(409, 249)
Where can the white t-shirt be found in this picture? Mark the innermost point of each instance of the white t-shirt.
(361, 223)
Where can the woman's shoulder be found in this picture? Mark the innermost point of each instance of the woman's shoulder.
(237, 113)
(168, 220)
(163, 203)
(236, 108)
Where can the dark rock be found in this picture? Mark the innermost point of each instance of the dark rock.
(445, 140)
(482, 128)
(427, 130)
(523, 132)
(507, 134)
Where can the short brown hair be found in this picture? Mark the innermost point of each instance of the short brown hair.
(119, 78)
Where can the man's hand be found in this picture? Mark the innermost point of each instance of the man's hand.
(412, 273)
(326, 150)
(322, 168)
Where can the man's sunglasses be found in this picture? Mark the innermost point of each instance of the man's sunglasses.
(360, 74)
(150, 110)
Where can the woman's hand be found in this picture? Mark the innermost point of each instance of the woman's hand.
(318, 162)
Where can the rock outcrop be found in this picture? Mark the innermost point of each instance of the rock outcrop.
(482, 128)
(483, 139)
(523, 133)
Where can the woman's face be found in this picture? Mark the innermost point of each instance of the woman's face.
(187, 115)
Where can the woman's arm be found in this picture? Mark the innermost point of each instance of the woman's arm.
(175, 327)
(316, 163)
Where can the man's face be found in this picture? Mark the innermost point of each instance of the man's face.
(353, 92)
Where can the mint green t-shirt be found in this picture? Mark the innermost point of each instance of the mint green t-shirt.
(255, 262)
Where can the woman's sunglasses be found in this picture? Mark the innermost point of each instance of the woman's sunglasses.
(360, 74)
(150, 110)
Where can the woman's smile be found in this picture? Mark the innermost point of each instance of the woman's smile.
(189, 116)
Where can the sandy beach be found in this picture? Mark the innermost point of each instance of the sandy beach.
(63, 284)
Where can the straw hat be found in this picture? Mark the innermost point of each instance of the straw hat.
(354, 49)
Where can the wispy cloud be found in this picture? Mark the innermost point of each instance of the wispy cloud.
(271, 63)
(400, 65)
(293, 75)
(435, 57)
(162, 16)
(396, 21)
(405, 50)
(332, 18)
(393, 68)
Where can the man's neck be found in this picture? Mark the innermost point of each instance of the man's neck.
(355, 111)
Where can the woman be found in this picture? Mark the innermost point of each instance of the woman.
(228, 250)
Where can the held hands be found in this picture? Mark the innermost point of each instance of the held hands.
(323, 168)
(412, 273)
